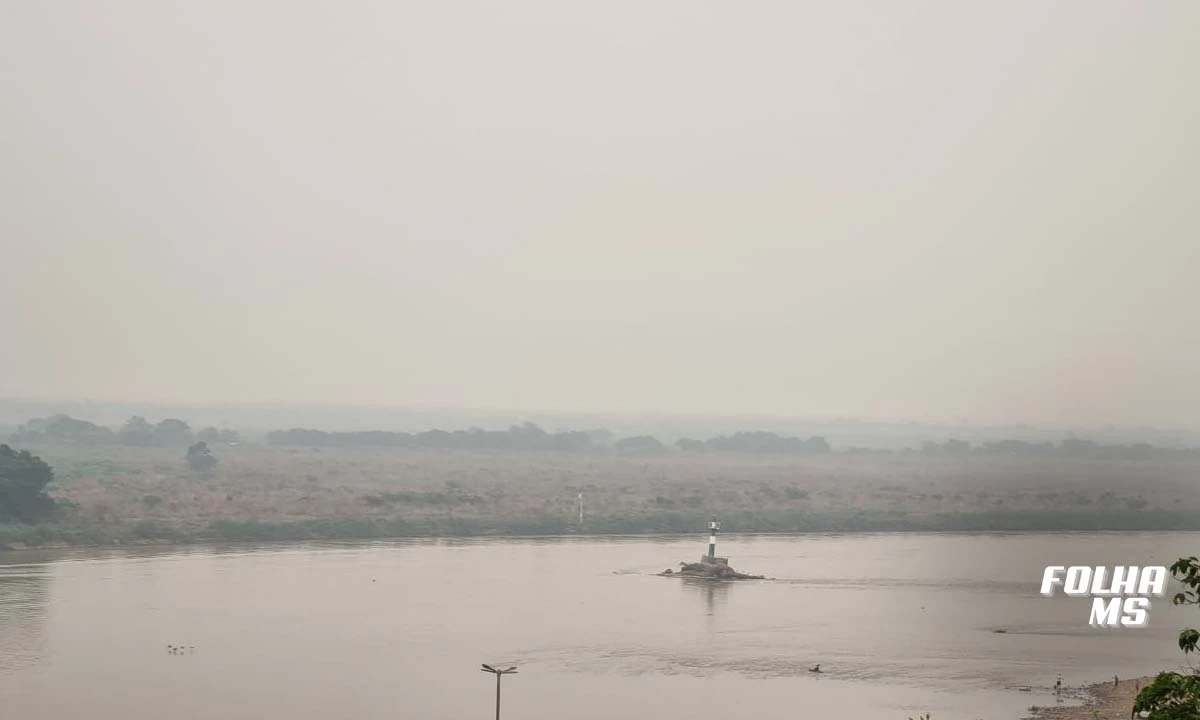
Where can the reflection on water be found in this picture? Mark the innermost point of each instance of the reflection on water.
(900, 624)
(712, 591)
(24, 592)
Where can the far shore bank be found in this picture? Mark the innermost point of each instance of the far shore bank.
(129, 495)
(66, 534)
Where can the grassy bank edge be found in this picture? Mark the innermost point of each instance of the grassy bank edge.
(15, 536)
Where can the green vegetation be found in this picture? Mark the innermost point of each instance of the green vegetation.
(528, 437)
(659, 524)
(212, 435)
(172, 432)
(51, 534)
(422, 498)
(378, 528)
(132, 485)
(640, 444)
(757, 442)
(1069, 448)
(1172, 695)
(63, 428)
(23, 481)
(137, 432)
(200, 458)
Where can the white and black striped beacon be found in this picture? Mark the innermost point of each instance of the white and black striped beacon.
(713, 527)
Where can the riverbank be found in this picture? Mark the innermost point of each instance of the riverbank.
(1104, 701)
(73, 532)
(133, 495)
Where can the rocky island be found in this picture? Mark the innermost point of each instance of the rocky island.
(710, 566)
(709, 571)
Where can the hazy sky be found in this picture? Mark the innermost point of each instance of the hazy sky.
(886, 209)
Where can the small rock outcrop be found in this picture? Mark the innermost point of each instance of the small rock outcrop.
(711, 571)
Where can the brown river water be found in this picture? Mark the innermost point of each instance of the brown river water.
(900, 623)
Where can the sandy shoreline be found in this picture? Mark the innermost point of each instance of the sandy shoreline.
(1103, 701)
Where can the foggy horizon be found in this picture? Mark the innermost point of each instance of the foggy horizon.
(691, 357)
(336, 417)
(505, 415)
(927, 213)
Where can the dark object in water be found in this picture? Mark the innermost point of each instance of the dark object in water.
(711, 571)
(1000, 631)
(815, 668)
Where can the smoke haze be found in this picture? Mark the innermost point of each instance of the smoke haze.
(926, 210)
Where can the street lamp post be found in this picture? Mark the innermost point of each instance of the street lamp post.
(498, 673)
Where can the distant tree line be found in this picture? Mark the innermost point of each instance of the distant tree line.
(518, 437)
(758, 442)
(531, 437)
(1069, 448)
(172, 432)
(136, 432)
(63, 428)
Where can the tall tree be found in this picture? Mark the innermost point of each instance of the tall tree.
(137, 432)
(23, 481)
(200, 458)
(171, 432)
(1172, 695)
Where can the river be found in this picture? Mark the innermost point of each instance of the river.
(900, 623)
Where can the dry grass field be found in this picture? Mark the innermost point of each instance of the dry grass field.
(258, 490)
